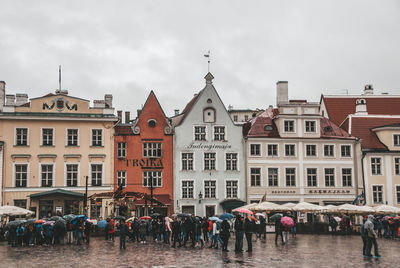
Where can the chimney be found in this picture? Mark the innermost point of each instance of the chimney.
(139, 111)
(21, 99)
(10, 100)
(176, 111)
(127, 117)
(361, 107)
(119, 114)
(108, 98)
(282, 95)
(368, 90)
(2, 94)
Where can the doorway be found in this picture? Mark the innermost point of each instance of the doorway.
(45, 208)
(210, 211)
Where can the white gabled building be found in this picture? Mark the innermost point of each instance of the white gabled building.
(209, 171)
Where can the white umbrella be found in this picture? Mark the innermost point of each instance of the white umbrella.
(14, 211)
(386, 209)
(329, 207)
(345, 208)
(248, 206)
(289, 205)
(264, 206)
(307, 207)
(260, 215)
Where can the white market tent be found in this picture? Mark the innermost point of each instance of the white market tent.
(386, 209)
(307, 207)
(14, 211)
(268, 206)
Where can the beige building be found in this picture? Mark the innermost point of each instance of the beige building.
(52, 145)
(294, 154)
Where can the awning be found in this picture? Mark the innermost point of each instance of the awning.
(57, 192)
(163, 198)
(231, 203)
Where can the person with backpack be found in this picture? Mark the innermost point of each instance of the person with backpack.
(39, 234)
(371, 237)
(20, 234)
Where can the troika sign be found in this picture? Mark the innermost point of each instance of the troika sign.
(208, 146)
(145, 163)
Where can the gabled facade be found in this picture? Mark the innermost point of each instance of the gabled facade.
(208, 156)
(52, 145)
(144, 159)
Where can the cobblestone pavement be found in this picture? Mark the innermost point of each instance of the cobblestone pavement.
(302, 251)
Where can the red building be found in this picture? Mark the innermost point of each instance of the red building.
(144, 159)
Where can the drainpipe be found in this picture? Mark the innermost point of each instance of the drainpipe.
(363, 177)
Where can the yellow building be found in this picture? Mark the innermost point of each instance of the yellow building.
(52, 146)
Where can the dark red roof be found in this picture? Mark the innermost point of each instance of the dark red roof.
(340, 107)
(123, 130)
(330, 130)
(361, 128)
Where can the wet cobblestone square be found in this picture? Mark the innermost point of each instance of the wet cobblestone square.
(302, 251)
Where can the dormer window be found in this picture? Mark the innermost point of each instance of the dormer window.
(267, 127)
(209, 115)
(396, 139)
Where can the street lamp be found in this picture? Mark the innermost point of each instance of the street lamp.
(200, 197)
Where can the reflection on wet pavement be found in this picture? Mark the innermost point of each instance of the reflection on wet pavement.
(302, 251)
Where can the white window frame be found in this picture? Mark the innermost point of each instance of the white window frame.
(66, 137)
(383, 193)
(53, 138)
(194, 132)
(121, 150)
(261, 151)
(53, 183)
(295, 150)
(91, 137)
(118, 177)
(381, 166)
(316, 150)
(204, 189)
(27, 175)
(397, 197)
(204, 160)
(194, 190)
(237, 162)
(295, 178)
(277, 149)
(261, 177)
(351, 151)
(65, 174)
(15, 136)
(193, 160)
(352, 176)
(213, 132)
(294, 126)
(102, 175)
(394, 166)
(148, 149)
(226, 189)
(334, 177)
(317, 177)
(334, 150)
(276, 174)
(394, 140)
(305, 126)
(156, 186)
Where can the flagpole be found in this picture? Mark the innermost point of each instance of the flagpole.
(59, 78)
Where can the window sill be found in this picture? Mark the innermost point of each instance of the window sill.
(121, 157)
(47, 146)
(23, 146)
(96, 146)
(71, 146)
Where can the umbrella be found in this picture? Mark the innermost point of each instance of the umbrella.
(307, 207)
(102, 224)
(130, 219)
(243, 210)
(287, 222)
(338, 219)
(276, 217)
(260, 215)
(31, 221)
(253, 218)
(49, 223)
(227, 216)
(269, 206)
(213, 218)
(40, 221)
(56, 218)
(119, 217)
(145, 218)
(14, 211)
(386, 209)
(386, 218)
(182, 215)
(155, 215)
(248, 206)
(81, 216)
(69, 216)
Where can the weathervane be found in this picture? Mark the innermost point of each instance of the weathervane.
(209, 59)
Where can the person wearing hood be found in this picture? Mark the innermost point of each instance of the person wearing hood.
(176, 232)
(249, 229)
(225, 233)
(371, 237)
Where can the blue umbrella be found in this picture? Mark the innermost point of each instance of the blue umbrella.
(102, 224)
(84, 217)
(226, 216)
(213, 219)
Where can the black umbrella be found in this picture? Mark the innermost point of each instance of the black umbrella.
(30, 221)
(56, 218)
(119, 217)
(155, 215)
(276, 217)
(182, 215)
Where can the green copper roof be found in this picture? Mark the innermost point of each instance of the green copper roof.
(57, 192)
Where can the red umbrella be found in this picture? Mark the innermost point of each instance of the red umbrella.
(253, 218)
(145, 218)
(244, 210)
(39, 221)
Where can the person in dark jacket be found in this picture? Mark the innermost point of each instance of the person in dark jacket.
(123, 233)
(278, 231)
(249, 229)
(88, 231)
(176, 232)
(263, 227)
(225, 234)
(364, 237)
(204, 226)
(106, 229)
(198, 231)
(239, 228)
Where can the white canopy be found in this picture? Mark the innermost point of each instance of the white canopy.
(267, 206)
(289, 205)
(14, 211)
(307, 207)
(248, 206)
(386, 209)
(349, 208)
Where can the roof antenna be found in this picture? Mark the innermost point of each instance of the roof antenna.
(209, 59)
(59, 79)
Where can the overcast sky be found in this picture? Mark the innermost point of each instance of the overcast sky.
(128, 48)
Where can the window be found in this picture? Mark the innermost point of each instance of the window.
(209, 189)
(97, 174)
(376, 166)
(398, 194)
(377, 193)
(311, 150)
(152, 149)
(187, 161)
(231, 189)
(21, 136)
(255, 176)
(72, 137)
(290, 150)
(329, 150)
(97, 137)
(329, 177)
(345, 151)
(21, 203)
(187, 189)
(312, 177)
(255, 149)
(346, 177)
(396, 139)
(231, 161)
(152, 123)
(310, 126)
(149, 176)
(121, 149)
(290, 176)
(288, 125)
(209, 115)
(21, 175)
(47, 175)
(272, 149)
(235, 118)
(121, 178)
(219, 133)
(246, 117)
(199, 133)
(72, 175)
(209, 161)
(397, 166)
(272, 177)
(47, 137)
